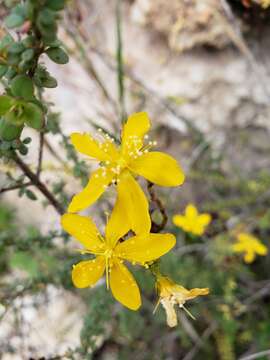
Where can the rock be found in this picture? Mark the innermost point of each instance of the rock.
(185, 24)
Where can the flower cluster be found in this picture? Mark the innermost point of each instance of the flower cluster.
(127, 236)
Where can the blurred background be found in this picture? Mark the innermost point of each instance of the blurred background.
(201, 70)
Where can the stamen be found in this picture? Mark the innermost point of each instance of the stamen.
(188, 312)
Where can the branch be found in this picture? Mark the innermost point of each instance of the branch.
(155, 200)
(15, 187)
(41, 186)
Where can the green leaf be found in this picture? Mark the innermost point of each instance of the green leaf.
(3, 70)
(33, 116)
(6, 41)
(28, 55)
(55, 5)
(5, 104)
(22, 86)
(58, 55)
(14, 20)
(30, 194)
(47, 17)
(16, 48)
(42, 78)
(9, 131)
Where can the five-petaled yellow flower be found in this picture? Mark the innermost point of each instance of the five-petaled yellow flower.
(110, 252)
(192, 221)
(171, 294)
(249, 245)
(118, 164)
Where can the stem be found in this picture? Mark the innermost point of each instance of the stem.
(155, 200)
(15, 187)
(41, 186)
(120, 65)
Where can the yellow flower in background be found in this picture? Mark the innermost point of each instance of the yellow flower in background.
(118, 164)
(171, 294)
(110, 253)
(249, 245)
(192, 221)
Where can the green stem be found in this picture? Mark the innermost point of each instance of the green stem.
(120, 65)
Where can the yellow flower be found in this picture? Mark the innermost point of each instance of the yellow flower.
(110, 253)
(250, 245)
(171, 294)
(192, 221)
(119, 163)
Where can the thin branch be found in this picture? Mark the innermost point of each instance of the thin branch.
(155, 200)
(41, 186)
(119, 58)
(257, 355)
(40, 152)
(15, 187)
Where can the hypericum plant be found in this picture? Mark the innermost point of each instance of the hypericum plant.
(131, 234)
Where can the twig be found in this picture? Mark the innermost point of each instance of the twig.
(41, 186)
(205, 336)
(15, 187)
(40, 153)
(155, 200)
(257, 355)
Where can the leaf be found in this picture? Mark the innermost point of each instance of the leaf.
(55, 5)
(33, 116)
(9, 131)
(16, 48)
(42, 78)
(14, 20)
(5, 104)
(22, 86)
(3, 70)
(28, 55)
(7, 40)
(30, 194)
(57, 55)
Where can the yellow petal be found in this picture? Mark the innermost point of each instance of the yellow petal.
(191, 211)
(124, 287)
(261, 249)
(197, 292)
(180, 221)
(117, 225)
(97, 184)
(136, 127)
(204, 219)
(87, 273)
(83, 229)
(86, 145)
(134, 204)
(238, 247)
(159, 168)
(182, 294)
(249, 256)
(170, 311)
(146, 247)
